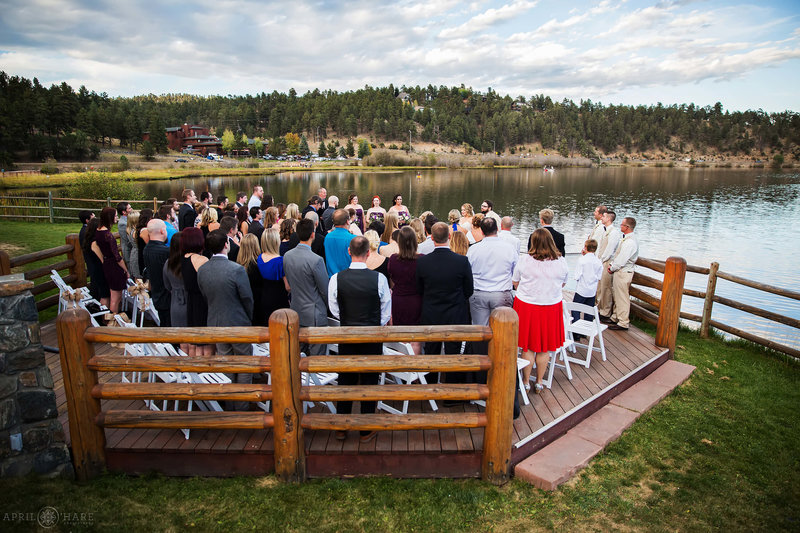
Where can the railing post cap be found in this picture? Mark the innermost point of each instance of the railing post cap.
(676, 260)
(75, 314)
(505, 314)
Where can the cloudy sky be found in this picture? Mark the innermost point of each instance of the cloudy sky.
(745, 55)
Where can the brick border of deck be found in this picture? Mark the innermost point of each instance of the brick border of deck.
(560, 460)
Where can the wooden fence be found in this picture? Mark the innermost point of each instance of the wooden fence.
(53, 209)
(646, 305)
(87, 419)
(72, 260)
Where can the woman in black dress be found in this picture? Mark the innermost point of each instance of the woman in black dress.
(94, 264)
(249, 251)
(192, 243)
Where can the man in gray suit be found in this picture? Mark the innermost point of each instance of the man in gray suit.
(226, 288)
(306, 274)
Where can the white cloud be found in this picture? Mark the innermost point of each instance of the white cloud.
(235, 46)
(488, 18)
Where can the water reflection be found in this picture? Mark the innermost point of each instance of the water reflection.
(744, 219)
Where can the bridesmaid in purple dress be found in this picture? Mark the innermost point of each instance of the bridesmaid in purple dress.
(406, 300)
(114, 268)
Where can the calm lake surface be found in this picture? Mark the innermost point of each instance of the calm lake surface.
(747, 220)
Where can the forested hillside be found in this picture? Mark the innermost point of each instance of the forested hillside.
(38, 122)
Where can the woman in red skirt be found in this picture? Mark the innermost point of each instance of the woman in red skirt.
(538, 279)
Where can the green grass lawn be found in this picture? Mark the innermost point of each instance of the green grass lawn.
(18, 238)
(721, 453)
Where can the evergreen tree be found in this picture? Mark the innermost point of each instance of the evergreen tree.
(322, 151)
(148, 150)
(304, 149)
(350, 151)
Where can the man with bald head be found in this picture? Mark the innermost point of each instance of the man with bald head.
(506, 223)
(154, 255)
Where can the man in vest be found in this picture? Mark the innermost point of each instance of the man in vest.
(358, 296)
(621, 269)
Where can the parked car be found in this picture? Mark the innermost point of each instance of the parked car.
(181, 160)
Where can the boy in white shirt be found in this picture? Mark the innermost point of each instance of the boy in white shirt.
(587, 273)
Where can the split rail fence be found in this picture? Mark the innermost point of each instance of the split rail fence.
(646, 305)
(86, 418)
(54, 209)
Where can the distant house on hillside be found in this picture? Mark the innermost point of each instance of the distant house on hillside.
(190, 139)
(405, 98)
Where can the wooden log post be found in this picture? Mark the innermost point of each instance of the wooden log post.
(79, 268)
(287, 408)
(496, 461)
(709, 300)
(669, 313)
(5, 263)
(88, 439)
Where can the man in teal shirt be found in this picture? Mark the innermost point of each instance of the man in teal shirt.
(337, 242)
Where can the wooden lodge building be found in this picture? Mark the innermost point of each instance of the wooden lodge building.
(191, 139)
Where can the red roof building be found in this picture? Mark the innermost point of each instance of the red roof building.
(193, 139)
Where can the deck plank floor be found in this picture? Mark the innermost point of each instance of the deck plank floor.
(627, 354)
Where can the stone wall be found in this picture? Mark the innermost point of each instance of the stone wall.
(31, 437)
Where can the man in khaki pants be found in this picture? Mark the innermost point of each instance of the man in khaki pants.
(606, 249)
(622, 270)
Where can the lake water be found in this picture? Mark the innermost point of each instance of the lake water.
(747, 220)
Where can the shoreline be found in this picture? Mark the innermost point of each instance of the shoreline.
(33, 179)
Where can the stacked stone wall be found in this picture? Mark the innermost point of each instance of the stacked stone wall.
(31, 437)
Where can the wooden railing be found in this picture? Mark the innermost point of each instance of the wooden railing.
(45, 208)
(648, 306)
(73, 261)
(87, 419)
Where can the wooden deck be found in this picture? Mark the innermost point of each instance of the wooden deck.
(453, 453)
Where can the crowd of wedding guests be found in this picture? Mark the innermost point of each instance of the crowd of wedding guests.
(233, 264)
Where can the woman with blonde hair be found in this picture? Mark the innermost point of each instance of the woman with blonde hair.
(392, 223)
(453, 217)
(293, 211)
(419, 229)
(467, 212)
(375, 261)
(133, 259)
(271, 218)
(475, 234)
(539, 278)
(459, 243)
(208, 221)
(249, 250)
(275, 288)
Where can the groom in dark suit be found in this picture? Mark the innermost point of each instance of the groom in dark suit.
(444, 279)
(226, 288)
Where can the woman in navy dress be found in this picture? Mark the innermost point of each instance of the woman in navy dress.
(275, 288)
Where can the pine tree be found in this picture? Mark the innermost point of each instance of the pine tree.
(322, 151)
(350, 150)
(304, 149)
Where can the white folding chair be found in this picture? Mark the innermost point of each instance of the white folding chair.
(559, 355)
(521, 363)
(263, 350)
(80, 297)
(400, 349)
(587, 328)
(143, 304)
